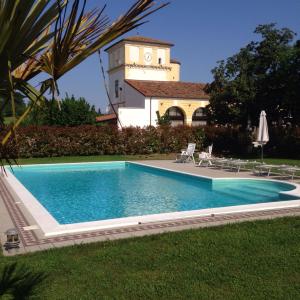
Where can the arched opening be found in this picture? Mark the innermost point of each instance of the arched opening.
(175, 115)
(199, 117)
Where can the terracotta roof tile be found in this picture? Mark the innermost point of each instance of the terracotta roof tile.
(169, 89)
(142, 39)
(106, 117)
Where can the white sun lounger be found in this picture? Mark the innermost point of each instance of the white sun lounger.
(187, 155)
(264, 169)
(221, 162)
(289, 170)
(238, 164)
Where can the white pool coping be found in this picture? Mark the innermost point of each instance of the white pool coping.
(51, 227)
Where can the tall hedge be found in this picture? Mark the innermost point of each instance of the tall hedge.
(46, 141)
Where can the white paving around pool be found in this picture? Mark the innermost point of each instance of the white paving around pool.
(50, 227)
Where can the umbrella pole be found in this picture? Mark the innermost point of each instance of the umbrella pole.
(262, 153)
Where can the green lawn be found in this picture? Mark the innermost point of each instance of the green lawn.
(253, 260)
(69, 159)
(281, 161)
(8, 120)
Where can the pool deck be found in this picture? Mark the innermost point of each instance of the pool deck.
(201, 171)
(210, 171)
(14, 214)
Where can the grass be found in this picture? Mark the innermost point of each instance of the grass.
(252, 260)
(70, 159)
(281, 161)
(96, 158)
(8, 120)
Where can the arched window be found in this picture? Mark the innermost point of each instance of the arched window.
(175, 115)
(199, 117)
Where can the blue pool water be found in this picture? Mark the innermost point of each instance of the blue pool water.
(89, 192)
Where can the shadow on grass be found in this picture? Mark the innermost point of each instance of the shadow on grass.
(19, 282)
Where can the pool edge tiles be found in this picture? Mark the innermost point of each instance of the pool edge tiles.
(51, 227)
(294, 193)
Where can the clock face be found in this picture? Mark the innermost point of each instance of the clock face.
(148, 56)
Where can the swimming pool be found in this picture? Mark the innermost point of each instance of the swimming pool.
(89, 193)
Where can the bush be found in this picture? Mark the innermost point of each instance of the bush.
(229, 140)
(70, 112)
(48, 141)
(284, 142)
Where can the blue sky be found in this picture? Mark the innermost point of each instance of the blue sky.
(203, 33)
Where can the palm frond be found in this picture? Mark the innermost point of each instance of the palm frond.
(48, 36)
(84, 34)
(22, 28)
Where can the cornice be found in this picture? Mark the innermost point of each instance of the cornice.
(139, 66)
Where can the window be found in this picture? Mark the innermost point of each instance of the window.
(174, 112)
(161, 54)
(199, 117)
(199, 113)
(134, 54)
(117, 88)
(175, 115)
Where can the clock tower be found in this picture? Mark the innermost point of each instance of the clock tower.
(139, 58)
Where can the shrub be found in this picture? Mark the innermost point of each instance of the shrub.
(48, 141)
(70, 112)
(284, 142)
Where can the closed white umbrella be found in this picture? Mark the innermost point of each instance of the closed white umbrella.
(263, 134)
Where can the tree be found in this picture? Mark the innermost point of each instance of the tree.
(70, 112)
(262, 76)
(19, 106)
(162, 120)
(51, 37)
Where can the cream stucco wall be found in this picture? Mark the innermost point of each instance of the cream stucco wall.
(127, 64)
(132, 116)
(174, 75)
(188, 106)
(116, 56)
(119, 75)
(145, 74)
(143, 48)
(141, 117)
(133, 97)
(140, 69)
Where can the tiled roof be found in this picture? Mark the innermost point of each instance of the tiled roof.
(106, 117)
(142, 39)
(175, 61)
(169, 89)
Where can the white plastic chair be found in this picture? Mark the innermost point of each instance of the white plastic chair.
(206, 156)
(187, 154)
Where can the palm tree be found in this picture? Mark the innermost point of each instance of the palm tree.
(51, 37)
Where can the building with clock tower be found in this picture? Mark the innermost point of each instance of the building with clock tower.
(144, 81)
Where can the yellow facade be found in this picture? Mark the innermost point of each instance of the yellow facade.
(143, 50)
(144, 60)
(187, 106)
(174, 74)
(119, 57)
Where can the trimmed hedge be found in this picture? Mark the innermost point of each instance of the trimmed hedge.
(44, 141)
(284, 142)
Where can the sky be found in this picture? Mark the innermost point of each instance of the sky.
(203, 32)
